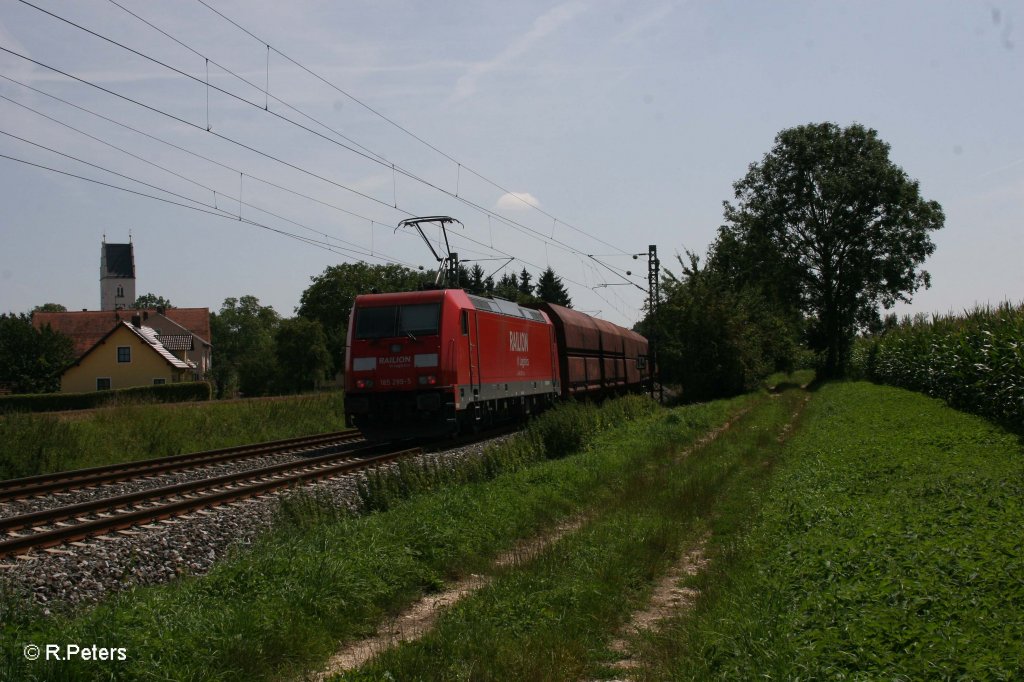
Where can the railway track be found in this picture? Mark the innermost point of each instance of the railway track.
(44, 484)
(100, 517)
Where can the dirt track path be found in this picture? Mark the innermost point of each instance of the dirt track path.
(669, 599)
(419, 618)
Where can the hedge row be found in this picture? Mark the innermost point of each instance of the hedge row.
(52, 402)
(975, 362)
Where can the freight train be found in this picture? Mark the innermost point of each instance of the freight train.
(443, 361)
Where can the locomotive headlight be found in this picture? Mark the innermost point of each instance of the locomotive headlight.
(364, 383)
(428, 380)
(425, 360)
(364, 364)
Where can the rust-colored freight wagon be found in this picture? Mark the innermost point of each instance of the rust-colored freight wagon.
(595, 356)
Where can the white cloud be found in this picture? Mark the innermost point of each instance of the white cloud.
(516, 201)
(543, 25)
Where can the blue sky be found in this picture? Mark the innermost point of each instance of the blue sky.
(628, 121)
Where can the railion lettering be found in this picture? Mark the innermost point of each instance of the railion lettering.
(519, 342)
(395, 360)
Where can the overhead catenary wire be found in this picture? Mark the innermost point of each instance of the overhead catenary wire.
(213, 191)
(220, 211)
(266, 155)
(395, 205)
(207, 210)
(221, 136)
(406, 130)
(373, 222)
(371, 156)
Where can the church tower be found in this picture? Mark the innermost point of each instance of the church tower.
(117, 276)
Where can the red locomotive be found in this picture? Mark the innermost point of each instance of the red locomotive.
(441, 361)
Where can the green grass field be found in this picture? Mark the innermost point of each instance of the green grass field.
(873, 535)
(33, 444)
(888, 546)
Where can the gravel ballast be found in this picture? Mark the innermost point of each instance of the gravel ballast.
(86, 572)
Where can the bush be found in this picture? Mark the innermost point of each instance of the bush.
(52, 402)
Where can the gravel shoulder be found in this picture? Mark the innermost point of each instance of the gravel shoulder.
(86, 572)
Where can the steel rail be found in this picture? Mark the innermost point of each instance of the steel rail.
(134, 517)
(105, 504)
(17, 488)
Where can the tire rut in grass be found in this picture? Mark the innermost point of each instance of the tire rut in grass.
(418, 619)
(669, 598)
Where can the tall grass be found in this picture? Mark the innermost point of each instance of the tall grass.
(974, 361)
(39, 443)
(568, 428)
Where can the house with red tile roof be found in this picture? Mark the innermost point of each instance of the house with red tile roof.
(132, 347)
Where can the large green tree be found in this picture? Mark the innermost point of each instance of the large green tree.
(31, 360)
(330, 297)
(829, 220)
(302, 356)
(243, 341)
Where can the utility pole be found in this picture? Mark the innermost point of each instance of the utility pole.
(654, 291)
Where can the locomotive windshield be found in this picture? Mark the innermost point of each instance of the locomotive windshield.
(398, 320)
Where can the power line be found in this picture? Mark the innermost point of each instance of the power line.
(217, 212)
(166, 170)
(220, 211)
(369, 155)
(265, 154)
(404, 129)
(181, 196)
(380, 160)
(190, 124)
(373, 222)
(199, 127)
(266, 91)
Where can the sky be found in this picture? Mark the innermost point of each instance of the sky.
(571, 135)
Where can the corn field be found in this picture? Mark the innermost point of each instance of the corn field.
(975, 362)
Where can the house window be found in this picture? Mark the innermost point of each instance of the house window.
(103, 383)
(159, 382)
(124, 353)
